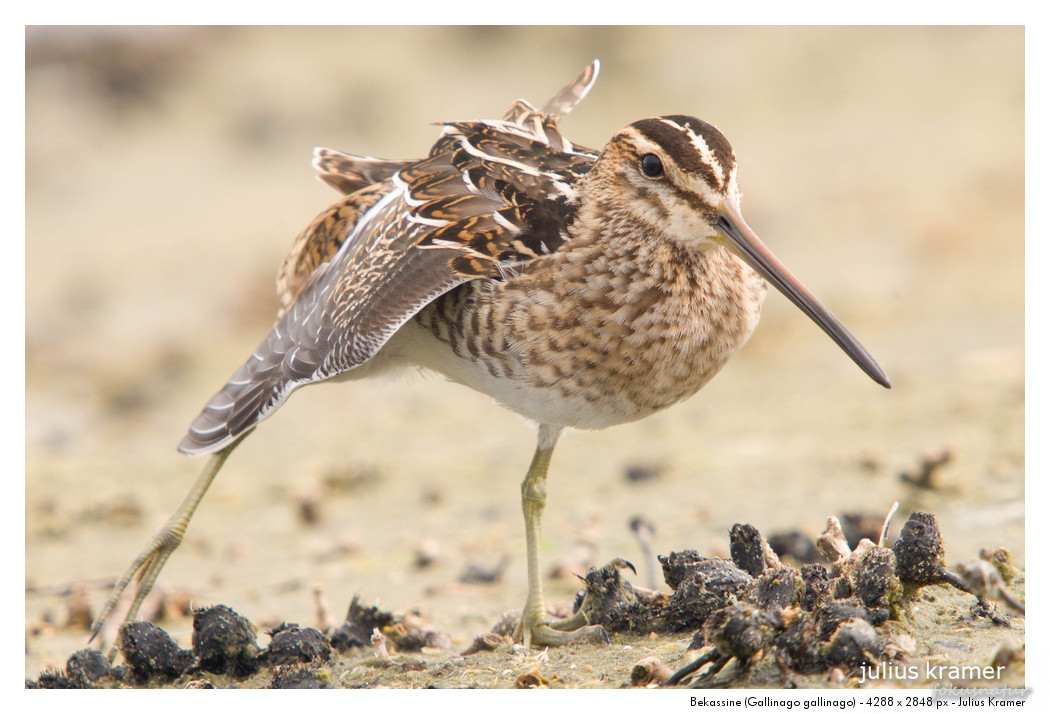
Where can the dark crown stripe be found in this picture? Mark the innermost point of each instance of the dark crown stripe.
(681, 136)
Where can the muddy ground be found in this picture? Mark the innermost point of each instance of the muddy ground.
(168, 170)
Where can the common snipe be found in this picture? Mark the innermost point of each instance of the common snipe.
(577, 288)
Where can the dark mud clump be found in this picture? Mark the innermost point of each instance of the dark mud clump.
(877, 583)
(747, 547)
(88, 667)
(702, 586)
(51, 679)
(816, 619)
(777, 588)
(816, 585)
(85, 669)
(291, 644)
(920, 554)
(612, 602)
(224, 642)
(356, 630)
(224, 646)
(151, 653)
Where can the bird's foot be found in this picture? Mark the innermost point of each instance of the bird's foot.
(144, 571)
(540, 630)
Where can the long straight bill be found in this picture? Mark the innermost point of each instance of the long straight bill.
(739, 238)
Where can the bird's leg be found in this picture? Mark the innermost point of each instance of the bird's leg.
(151, 560)
(537, 627)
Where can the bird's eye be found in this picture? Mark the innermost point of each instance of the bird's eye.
(652, 166)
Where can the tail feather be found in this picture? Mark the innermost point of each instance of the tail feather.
(569, 96)
(348, 173)
(229, 414)
(259, 386)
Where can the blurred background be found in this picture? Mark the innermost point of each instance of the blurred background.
(168, 169)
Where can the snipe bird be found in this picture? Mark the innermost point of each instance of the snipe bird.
(577, 288)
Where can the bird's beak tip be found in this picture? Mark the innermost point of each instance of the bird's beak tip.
(734, 233)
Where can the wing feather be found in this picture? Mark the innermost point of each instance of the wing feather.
(491, 195)
(349, 173)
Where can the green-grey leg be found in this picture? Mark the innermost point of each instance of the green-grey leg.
(537, 627)
(151, 560)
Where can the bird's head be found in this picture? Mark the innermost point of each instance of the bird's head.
(675, 176)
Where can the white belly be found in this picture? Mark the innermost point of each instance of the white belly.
(415, 346)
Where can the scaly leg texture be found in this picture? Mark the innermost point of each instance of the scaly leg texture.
(148, 565)
(537, 627)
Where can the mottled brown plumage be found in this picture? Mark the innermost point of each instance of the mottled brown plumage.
(577, 289)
